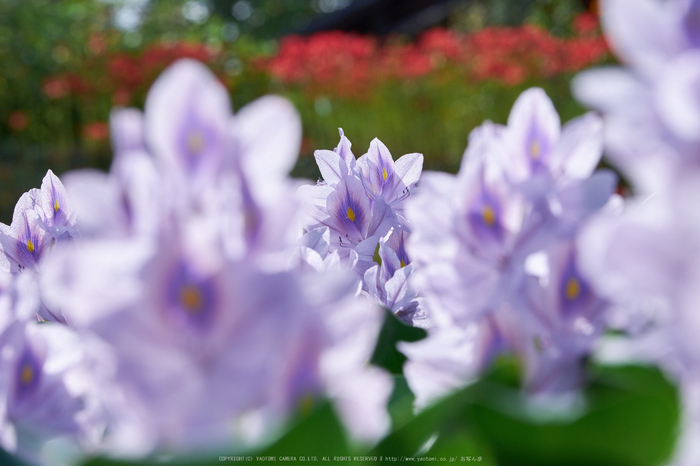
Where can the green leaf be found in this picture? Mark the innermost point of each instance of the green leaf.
(9, 460)
(400, 405)
(393, 330)
(319, 434)
(631, 419)
(408, 439)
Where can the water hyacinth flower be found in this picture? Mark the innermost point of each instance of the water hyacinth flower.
(388, 283)
(561, 317)
(521, 190)
(200, 341)
(360, 200)
(640, 256)
(355, 222)
(382, 177)
(642, 259)
(210, 328)
(24, 241)
(227, 163)
(41, 218)
(651, 112)
(46, 391)
(538, 145)
(186, 119)
(56, 215)
(337, 163)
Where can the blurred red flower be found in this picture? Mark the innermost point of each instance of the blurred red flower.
(18, 121)
(586, 23)
(55, 87)
(96, 131)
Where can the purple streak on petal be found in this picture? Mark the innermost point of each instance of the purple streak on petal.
(381, 167)
(27, 246)
(691, 23)
(54, 204)
(304, 381)
(397, 242)
(349, 210)
(537, 146)
(252, 215)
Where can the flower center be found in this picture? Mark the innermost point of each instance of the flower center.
(56, 206)
(195, 143)
(26, 375)
(30, 245)
(573, 289)
(351, 214)
(191, 299)
(488, 215)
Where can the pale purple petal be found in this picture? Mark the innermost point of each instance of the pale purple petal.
(408, 169)
(187, 113)
(343, 149)
(126, 130)
(268, 137)
(447, 360)
(331, 165)
(534, 128)
(580, 146)
(627, 24)
(678, 99)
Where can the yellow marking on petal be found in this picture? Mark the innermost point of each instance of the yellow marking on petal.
(195, 142)
(351, 214)
(488, 216)
(56, 206)
(27, 374)
(535, 150)
(30, 245)
(384, 173)
(573, 289)
(191, 299)
(403, 264)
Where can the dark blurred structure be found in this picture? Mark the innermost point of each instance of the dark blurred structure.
(276, 18)
(382, 17)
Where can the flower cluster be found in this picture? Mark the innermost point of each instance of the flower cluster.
(358, 209)
(175, 273)
(346, 63)
(495, 253)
